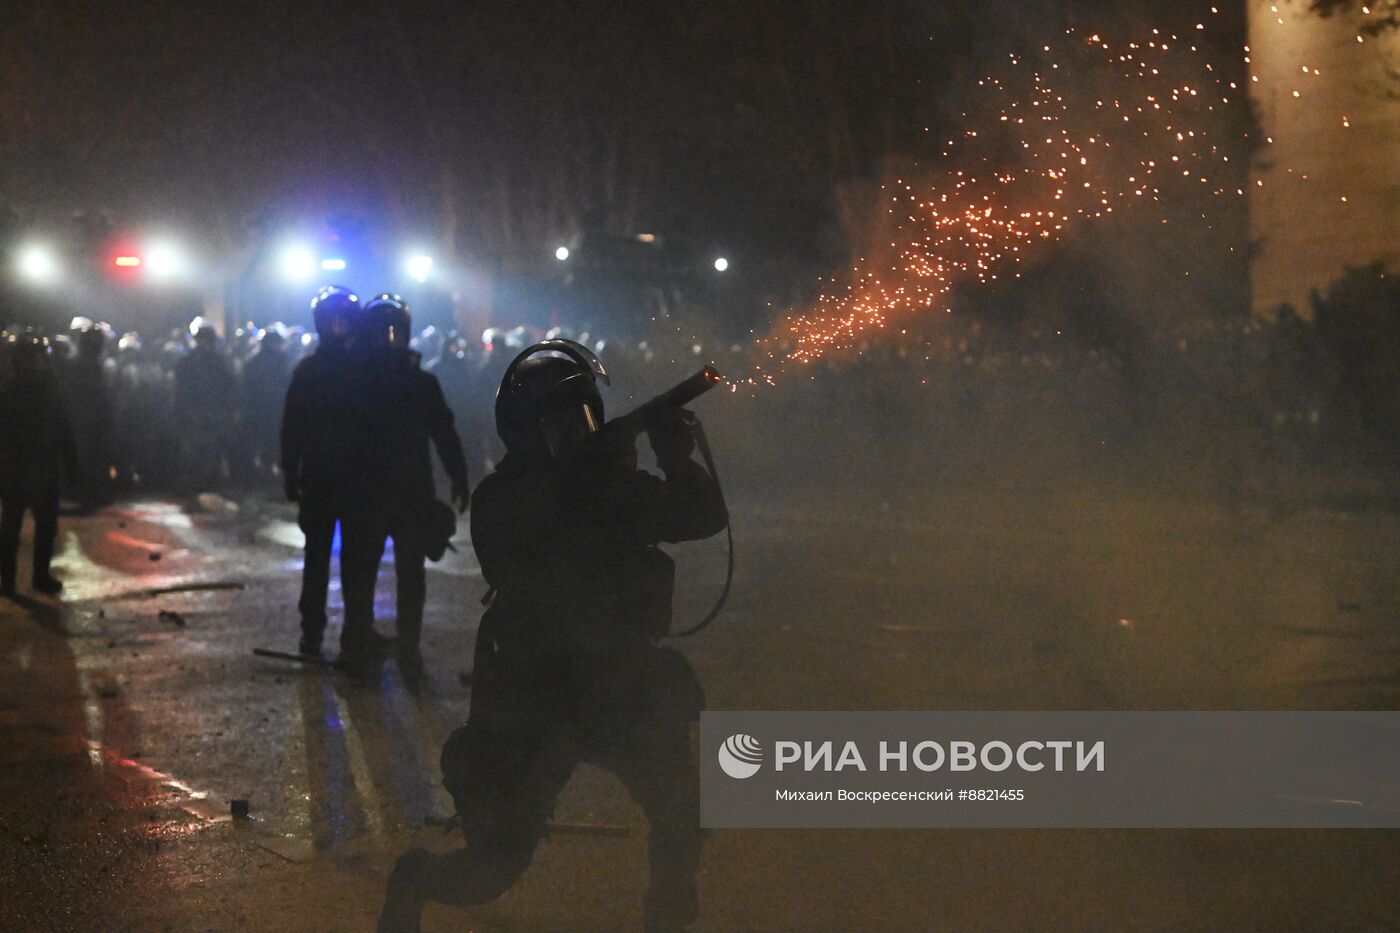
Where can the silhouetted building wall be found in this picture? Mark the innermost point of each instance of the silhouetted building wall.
(1342, 131)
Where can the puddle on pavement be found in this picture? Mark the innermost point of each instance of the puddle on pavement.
(287, 534)
(168, 514)
(197, 803)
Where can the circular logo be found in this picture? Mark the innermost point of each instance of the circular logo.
(740, 756)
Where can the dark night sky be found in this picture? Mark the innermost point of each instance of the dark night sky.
(503, 125)
(213, 112)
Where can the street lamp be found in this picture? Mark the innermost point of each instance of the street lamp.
(561, 253)
(37, 264)
(721, 264)
(163, 261)
(418, 267)
(297, 263)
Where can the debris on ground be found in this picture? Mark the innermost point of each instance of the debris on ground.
(314, 660)
(196, 588)
(165, 615)
(217, 504)
(292, 849)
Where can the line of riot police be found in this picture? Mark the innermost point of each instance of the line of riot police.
(192, 411)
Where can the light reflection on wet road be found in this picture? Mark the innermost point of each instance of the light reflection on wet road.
(125, 735)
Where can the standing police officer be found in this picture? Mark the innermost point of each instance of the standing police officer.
(204, 406)
(398, 411)
(317, 455)
(568, 668)
(263, 388)
(90, 412)
(36, 447)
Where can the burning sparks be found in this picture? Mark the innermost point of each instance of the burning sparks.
(1039, 162)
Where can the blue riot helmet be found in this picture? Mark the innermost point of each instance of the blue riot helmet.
(388, 322)
(336, 313)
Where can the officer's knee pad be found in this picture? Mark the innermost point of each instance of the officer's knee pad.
(674, 686)
(487, 773)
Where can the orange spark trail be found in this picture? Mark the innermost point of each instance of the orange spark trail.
(1134, 124)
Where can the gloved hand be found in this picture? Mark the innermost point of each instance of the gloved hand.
(672, 435)
(289, 485)
(461, 498)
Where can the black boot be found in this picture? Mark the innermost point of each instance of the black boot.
(313, 629)
(47, 585)
(404, 897)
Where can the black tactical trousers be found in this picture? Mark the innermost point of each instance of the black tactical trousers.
(318, 524)
(529, 728)
(362, 547)
(13, 505)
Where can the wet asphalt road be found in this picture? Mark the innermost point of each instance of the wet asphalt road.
(133, 712)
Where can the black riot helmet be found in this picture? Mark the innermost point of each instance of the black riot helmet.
(336, 312)
(93, 341)
(203, 332)
(548, 402)
(28, 351)
(273, 338)
(388, 322)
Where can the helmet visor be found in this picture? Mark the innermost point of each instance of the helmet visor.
(565, 428)
(570, 349)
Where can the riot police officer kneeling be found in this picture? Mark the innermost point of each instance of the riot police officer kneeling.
(568, 668)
